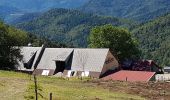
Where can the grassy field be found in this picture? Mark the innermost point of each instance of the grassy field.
(19, 86)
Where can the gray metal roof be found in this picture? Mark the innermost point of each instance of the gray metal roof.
(51, 55)
(27, 53)
(91, 59)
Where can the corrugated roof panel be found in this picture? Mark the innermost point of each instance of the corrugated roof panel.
(130, 76)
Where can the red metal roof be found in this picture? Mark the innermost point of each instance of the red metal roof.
(131, 76)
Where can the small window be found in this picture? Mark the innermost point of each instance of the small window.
(45, 72)
(86, 74)
(68, 73)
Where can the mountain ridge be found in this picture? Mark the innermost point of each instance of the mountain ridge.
(139, 10)
(71, 26)
(32, 6)
(154, 39)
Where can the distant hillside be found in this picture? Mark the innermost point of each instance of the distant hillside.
(24, 18)
(68, 26)
(41, 5)
(154, 38)
(10, 10)
(139, 10)
(7, 10)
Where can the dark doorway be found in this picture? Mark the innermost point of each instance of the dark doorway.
(60, 66)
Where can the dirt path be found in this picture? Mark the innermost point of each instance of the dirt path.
(150, 91)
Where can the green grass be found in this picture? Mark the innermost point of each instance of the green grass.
(18, 86)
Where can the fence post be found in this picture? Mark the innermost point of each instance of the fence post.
(50, 96)
(35, 81)
(30, 75)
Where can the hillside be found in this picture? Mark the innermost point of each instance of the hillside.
(139, 10)
(68, 26)
(12, 9)
(23, 18)
(41, 5)
(12, 36)
(154, 38)
(5, 11)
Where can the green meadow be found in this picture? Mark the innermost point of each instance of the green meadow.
(19, 86)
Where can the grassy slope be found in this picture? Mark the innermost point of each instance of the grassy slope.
(17, 86)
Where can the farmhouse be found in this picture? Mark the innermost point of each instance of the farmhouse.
(142, 65)
(69, 61)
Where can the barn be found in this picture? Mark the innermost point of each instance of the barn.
(69, 61)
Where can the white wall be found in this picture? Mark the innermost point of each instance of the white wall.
(162, 77)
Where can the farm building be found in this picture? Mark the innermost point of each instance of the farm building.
(131, 76)
(162, 77)
(141, 65)
(69, 61)
(166, 69)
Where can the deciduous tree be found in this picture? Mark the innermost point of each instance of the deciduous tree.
(10, 38)
(119, 40)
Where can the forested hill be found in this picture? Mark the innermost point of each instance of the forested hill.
(12, 36)
(154, 39)
(68, 26)
(139, 10)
